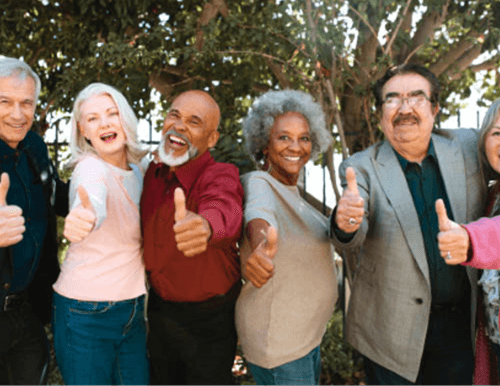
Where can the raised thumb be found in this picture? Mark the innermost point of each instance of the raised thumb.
(271, 244)
(180, 204)
(84, 198)
(444, 222)
(352, 185)
(4, 188)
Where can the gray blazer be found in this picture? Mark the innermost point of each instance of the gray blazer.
(391, 294)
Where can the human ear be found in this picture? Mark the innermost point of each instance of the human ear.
(213, 138)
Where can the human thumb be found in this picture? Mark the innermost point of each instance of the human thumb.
(271, 244)
(352, 185)
(4, 188)
(84, 198)
(444, 222)
(180, 205)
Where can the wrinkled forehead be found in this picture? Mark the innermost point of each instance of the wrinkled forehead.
(197, 104)
(406, 84)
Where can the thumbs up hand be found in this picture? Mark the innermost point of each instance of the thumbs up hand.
(351, 206)
(453, 240)
(192, 231)
(81, 220)
(11, 219)
(259, 267)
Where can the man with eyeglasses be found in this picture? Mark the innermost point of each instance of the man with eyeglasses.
(410, 314)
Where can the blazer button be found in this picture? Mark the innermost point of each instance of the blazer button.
(6, 286)
(419, 301)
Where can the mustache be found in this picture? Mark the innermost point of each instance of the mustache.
(405, 117)
(181, 136)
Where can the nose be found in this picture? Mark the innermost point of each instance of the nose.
(294, 145)
(17, 111)
(405, 105)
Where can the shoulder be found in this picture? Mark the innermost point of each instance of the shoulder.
(217, 172)
(36, 143)
(362, 160)
(464, 136)
(91, 166)
(256, 178)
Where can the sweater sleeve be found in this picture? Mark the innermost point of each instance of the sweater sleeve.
(91, 174)
(484, 236)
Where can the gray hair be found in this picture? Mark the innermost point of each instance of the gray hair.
(489, 121)
(78, 143)
(264, 111)
(16, 67)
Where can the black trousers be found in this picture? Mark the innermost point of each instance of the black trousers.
(24, 349)
(448, 356)
(192, 343)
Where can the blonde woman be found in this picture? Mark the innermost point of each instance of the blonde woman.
(98, 313)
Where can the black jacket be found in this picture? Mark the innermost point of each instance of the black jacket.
(55, 194)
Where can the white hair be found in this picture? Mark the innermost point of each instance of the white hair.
(15, 67)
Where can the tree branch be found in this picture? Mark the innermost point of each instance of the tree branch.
(388, 47)
(428, 24)
(455, 71)
(210, 11)
(454, 53)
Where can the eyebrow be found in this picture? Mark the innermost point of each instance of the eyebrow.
(191, 116)
(411, 93)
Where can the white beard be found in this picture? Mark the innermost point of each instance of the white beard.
(169, 159)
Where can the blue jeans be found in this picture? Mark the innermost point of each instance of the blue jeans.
(100, 343)
(302, 371)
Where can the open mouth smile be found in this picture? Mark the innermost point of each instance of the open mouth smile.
(108, 137)
(176, 140)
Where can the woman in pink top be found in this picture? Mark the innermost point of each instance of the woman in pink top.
(478, 245)
(98, 314)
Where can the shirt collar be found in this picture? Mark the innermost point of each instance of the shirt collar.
(7, 151)
(431, 152)
(188, 173)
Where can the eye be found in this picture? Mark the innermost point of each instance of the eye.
(90, 119)
(283, 137)
(305, 138)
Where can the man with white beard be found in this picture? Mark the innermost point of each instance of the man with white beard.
(191, 211)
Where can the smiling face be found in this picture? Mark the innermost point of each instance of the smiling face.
(17, 108)
(492, 146)
(289, 147)
(407, 128)
(190, 128)
(100, 123)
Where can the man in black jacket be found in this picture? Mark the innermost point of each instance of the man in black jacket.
(30, 196)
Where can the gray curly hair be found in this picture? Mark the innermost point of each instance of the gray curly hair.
(264, 111)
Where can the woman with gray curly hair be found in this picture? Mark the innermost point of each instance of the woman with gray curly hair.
(287, 259)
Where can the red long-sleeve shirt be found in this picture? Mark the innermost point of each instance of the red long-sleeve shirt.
(213, 190)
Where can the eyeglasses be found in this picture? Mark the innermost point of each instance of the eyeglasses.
(393, 102)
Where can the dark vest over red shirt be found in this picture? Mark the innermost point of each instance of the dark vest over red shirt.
(213, 190)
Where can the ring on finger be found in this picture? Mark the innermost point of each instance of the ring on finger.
(352, 221)
(449, 256)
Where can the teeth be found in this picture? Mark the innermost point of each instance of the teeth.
(177, 140)
(293, 159)
(105, 137)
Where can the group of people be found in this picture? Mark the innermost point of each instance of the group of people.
(174, 260)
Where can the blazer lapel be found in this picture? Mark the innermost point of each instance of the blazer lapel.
(452, 167)
(393, 182)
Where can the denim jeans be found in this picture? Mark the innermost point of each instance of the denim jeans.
(100, 343)
(302, 371)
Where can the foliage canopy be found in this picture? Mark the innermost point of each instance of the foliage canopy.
(236, 50)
